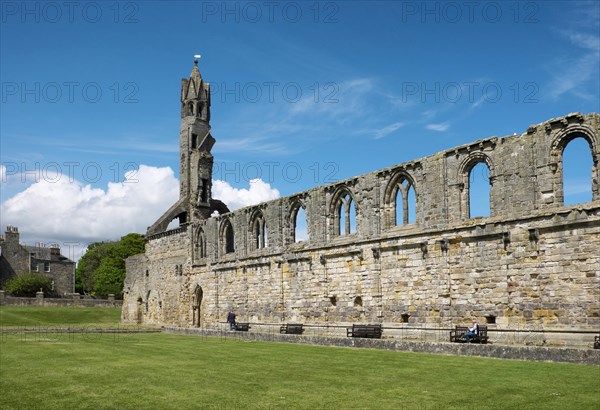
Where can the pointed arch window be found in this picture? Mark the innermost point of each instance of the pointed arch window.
(258, 231)
(344, 213)
(226, 237)
(569, 164)
(400, 201)
(200, 244)
(476, 174)
(577, 172)
(479, 191)
(298, 223)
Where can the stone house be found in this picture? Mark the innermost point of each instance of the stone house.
(399, 246)
(16, 258)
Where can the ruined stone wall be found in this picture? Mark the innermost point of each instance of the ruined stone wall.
(155, 286)
(532, 262)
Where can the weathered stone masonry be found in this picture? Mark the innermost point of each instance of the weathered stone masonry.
(16, 259)
(532, 262)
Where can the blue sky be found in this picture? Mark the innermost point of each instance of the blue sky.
(304, 93)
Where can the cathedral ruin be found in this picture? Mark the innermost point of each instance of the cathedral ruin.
(534, 262)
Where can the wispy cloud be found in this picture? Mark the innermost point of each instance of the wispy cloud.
(109, 146)
(574, 76)
(385, 131)
(578, 72)
(251, 145)
(576, 187)
(438, 127)
(587, 41)
(477, 103)
(336, 99)
(288, 128)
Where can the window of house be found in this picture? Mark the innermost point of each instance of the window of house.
(33, 265)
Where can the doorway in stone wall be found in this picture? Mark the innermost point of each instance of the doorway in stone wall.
(197, 307)
(139, 310)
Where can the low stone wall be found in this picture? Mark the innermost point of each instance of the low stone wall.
(533, 353)
(536, 336)
(74, 300)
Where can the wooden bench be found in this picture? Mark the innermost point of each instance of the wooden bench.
(368, 331)
(292, 329)
(596, 342)
(242, 327)
(459, 335)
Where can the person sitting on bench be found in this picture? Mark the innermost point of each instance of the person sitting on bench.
(231, 320)
(473, 331)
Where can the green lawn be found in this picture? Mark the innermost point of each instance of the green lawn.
(33, 316)
(156, 370)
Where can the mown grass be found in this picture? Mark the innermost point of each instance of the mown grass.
(33, 316)
(176, 371)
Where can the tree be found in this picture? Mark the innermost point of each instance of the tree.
(101, 271)
(28, 284)
(87, 265)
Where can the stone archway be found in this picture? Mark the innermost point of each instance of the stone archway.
(197, 307)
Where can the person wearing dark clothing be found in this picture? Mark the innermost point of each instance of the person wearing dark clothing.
(231, 320)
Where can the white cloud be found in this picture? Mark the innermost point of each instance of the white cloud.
(259, 191)
(438, 127)
(11, 175)
(59, 209)
(63, 209)
(385, 131)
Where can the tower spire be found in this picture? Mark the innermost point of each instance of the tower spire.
(195, 95)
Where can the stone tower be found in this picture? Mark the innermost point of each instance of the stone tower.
(195, 160)
(195, 143)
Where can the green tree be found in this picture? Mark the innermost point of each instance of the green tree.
(87, 265)
(27, 284)
(101, 270)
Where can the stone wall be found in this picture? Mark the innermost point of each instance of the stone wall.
(16, 259)
(533, 262)
(532, 353)
(73, 300)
